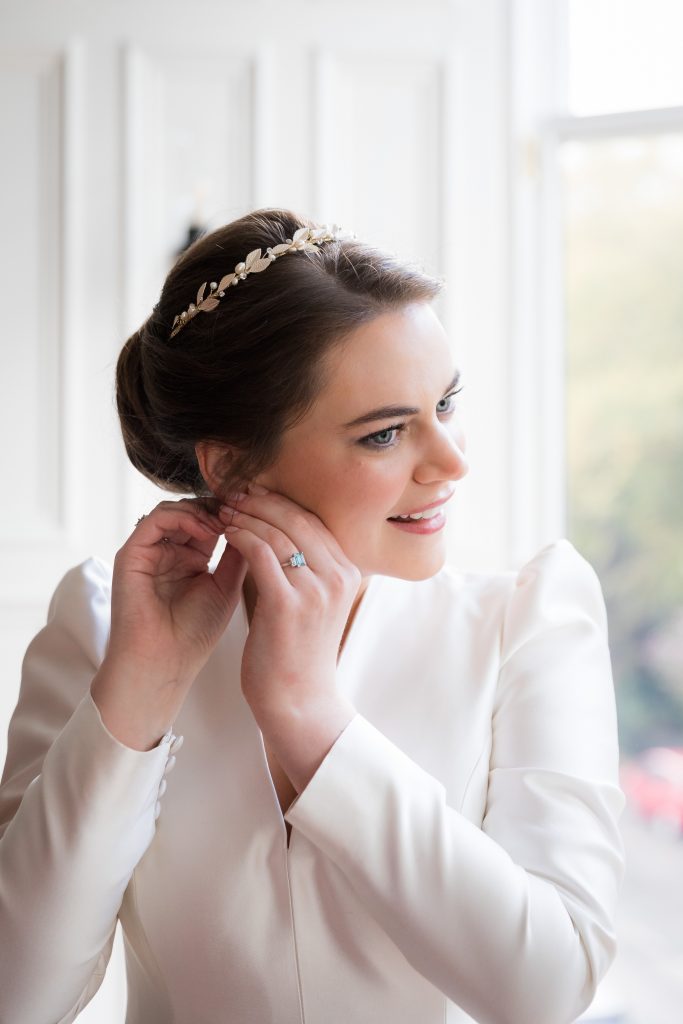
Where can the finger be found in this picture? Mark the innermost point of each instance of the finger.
(206, 547)
(270, 580)
(176, 562)
(204, 508)
(284, 544)
(183, 506)
(177, 525)
(229, 574)
(290, 517)
(160, 559)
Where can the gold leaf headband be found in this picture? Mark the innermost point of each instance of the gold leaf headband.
(304, 238)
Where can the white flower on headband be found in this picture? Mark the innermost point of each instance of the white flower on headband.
(254, 263)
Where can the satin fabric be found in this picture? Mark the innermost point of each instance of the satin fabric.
(456, 857)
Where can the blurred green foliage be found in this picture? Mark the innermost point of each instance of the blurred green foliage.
(624, 315)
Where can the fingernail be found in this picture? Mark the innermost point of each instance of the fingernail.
(225, 509)
(257, 489)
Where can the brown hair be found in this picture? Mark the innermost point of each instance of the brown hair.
(245, 372)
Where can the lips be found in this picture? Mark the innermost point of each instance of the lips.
(421, 526)
(425, 508)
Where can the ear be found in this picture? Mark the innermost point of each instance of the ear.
(213, 460)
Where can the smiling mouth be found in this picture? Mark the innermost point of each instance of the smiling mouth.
(429, 513)
(425, 513)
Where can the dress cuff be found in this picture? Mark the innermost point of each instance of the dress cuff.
(361, 771)
(87, 762)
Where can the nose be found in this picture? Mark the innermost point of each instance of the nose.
(444, 458)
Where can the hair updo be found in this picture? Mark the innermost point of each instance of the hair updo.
(243, 373)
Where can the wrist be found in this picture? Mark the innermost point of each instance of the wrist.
(302, 735)
(136, 715)
(148, 671)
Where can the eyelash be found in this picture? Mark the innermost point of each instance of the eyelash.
(369, 440)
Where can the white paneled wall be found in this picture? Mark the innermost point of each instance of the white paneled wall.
(189, 150)
(33, 218)
(122, 122)
(33, 115)
(398, 101)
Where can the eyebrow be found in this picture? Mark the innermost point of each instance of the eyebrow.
(392, 411)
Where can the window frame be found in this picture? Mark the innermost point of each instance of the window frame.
(540, 124)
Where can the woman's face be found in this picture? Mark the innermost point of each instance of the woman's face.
(355, 477)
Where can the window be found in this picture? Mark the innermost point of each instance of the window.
(624, 55)
(616, 161)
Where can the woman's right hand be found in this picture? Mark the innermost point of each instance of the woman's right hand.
(167, 614)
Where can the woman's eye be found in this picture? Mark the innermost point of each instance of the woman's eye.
(449, 399)
(382, 438)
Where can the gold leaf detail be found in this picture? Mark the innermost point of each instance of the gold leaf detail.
(254, 255)
(225, 282)
(278, 249)
(300, 234)
(260, 265)
(209, 304)
(200, 293)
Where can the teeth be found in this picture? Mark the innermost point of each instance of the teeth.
(428, 514)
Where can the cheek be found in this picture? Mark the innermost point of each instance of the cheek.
(347, 489)
(372, 485)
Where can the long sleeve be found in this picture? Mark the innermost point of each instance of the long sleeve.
(513, 921)
(77, 812)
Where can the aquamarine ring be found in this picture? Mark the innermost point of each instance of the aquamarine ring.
(295, 560)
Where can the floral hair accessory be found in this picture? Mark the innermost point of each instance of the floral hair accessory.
(254, 263)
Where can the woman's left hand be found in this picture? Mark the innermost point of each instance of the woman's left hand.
(290, 657)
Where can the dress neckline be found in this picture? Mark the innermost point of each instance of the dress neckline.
(357, 626)
(352, 645)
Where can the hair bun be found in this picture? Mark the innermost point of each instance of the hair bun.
(150, 452)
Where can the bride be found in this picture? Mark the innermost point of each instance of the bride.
(397, 796)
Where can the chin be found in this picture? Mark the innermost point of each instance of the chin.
(420, 569)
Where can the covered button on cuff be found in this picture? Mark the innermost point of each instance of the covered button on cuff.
(176, 743)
